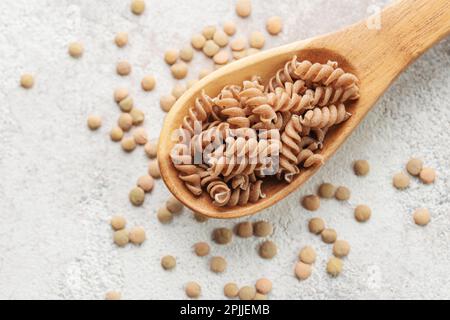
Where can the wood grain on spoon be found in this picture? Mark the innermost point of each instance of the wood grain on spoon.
(376, 56)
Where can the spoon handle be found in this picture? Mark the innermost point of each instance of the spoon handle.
(386, 43)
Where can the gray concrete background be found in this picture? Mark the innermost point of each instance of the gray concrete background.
(60, 183)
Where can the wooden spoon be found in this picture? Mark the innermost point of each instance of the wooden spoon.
(376, 56)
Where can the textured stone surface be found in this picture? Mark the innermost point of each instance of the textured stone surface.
(60, 183)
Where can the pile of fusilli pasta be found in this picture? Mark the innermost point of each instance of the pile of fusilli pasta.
(230, 143)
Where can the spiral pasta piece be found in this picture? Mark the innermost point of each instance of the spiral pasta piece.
(202, 110)
(191, 176)
(206, 143)
(251, 194)
(325, 117)
(252, 95)
(307, 158)
(290, 101)
(283, 76)
(279, 123)
(326, 74)
(230, 104)
(265, 113)
(231, 166)
(291, 136)
(324, 96)
(287, 170)
(217, 189)
(238, 182)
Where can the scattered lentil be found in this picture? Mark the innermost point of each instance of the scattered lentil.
(171, 56)
(200, 218)
(168, 262)
(121, 238)
(342, 193)
(126, 105)
(401, 181)
(174, 205)
(167, 102)
(329, 236)
(94, 122)
(231, 290)
(125, 121)
(316, 225)
(113, 295)
(121, 39)
(178, 90)
(302, 270)
(243, 8)
(262, 229)
(76, 50)
(362, 213)
(137, 6)
(193, 290)
(257, 40)
(361, 167)
(179, 70)
(151, 149)
(244, 229)
(123, 68)
(263, 285)
(118, 223)
(327, 190)
(148, 83)
(218, 264)
(201, 249)
(186, 54)
(27, 81)
(210, 48)
(120, 94)
(260, 297)
(334, 266)
(427, 175)
(138, 118)
(208, 32)
(164, 215)
(414, 166)
(268, 249)
(311, 202)
(422, 217)
(128, 144)
(198, 41)
(341, 248)
(137, 235)
(153, 169)
(146, 183)
(247, 293)
(238, 44)
(274, 25)
(222, 57)
(137, 196)
(307, 255)
(239, 54)
(140, 136)
(222, 236)
(230, 28)
(220, 38)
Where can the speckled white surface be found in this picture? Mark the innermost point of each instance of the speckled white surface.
(60, 183)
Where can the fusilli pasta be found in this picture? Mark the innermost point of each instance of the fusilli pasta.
(230, 143)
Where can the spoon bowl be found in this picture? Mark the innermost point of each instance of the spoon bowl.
(376, 57)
